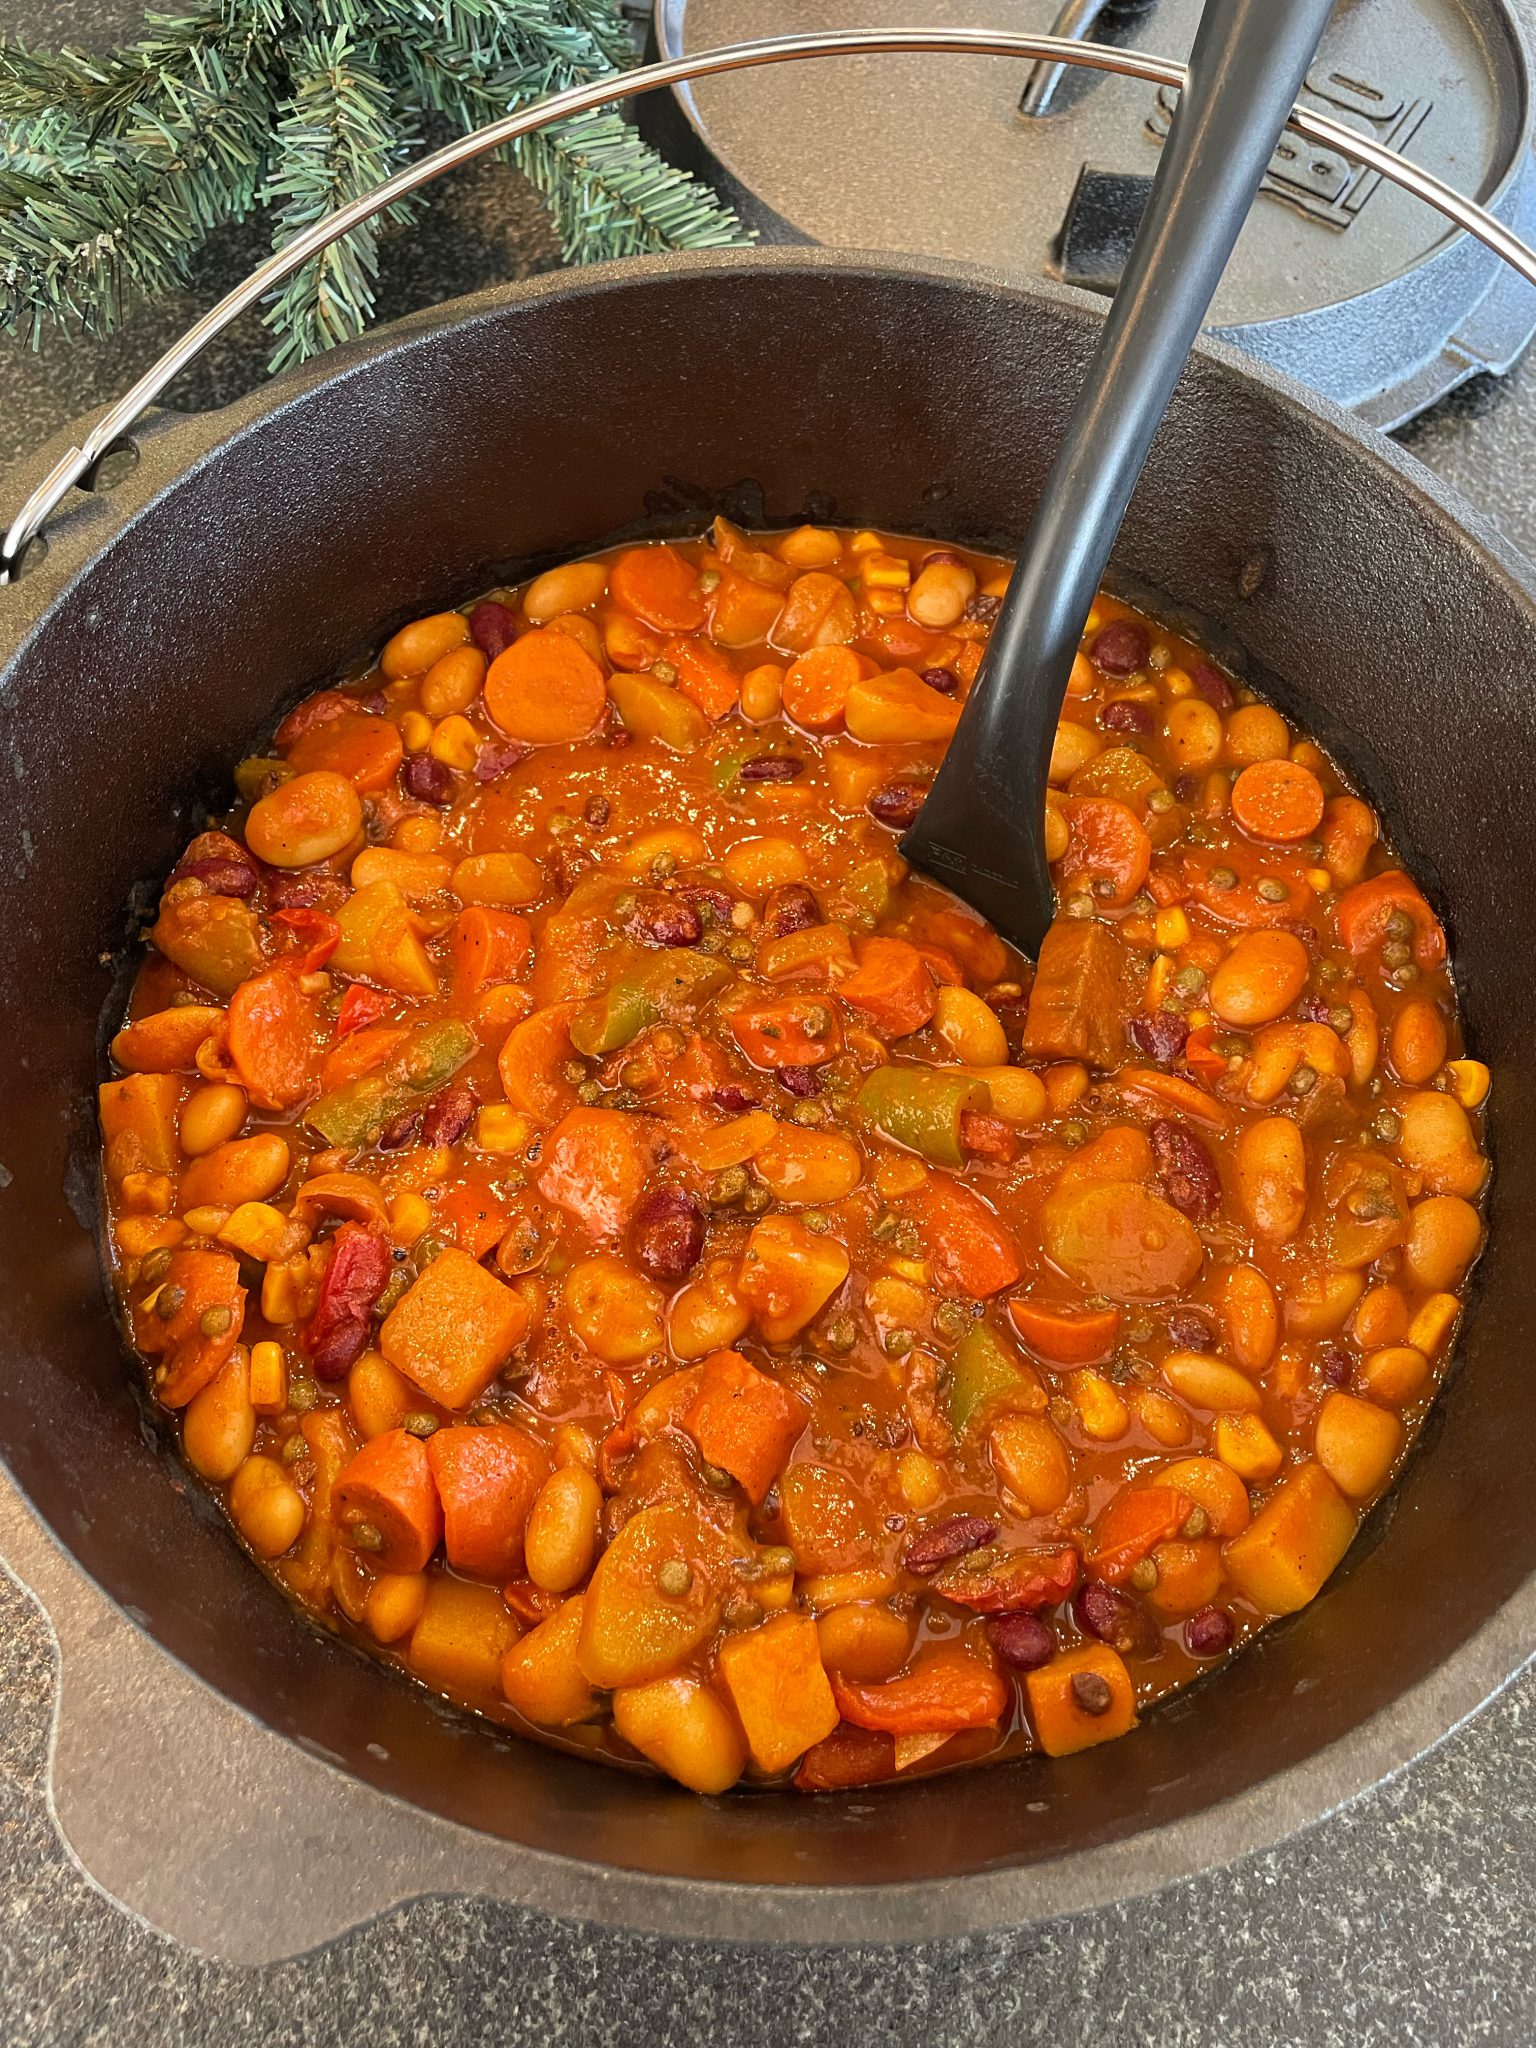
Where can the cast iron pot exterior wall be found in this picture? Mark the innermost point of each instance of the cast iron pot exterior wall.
(253, 551)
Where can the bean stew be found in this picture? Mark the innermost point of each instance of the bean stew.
(628, 1251)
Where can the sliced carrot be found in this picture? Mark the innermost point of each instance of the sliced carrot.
(471, 1217)
(488, 947)
(361, 1052)
(816, 687)
(166, 1041)
(946, 1689)
(893, 986)
(743, 1421)
(388, 1489)
(788, 1031)
(595, 1164)
(531, 1058)
(545, 689)
(974, 944)
(1136, 1520)
(741, 612)
(658, 585)
(1177, 1093)
(818, 611)
(1278, 801)
(965, 1239)
(1063, 1336)
(365, 749)
(312, 712)
(1108, 848)
(487, 1478)
(1362, 914)
(272, 1040)
(205, 1287)
(1208, 870)
(735, 548)
(704, 676)
(454, 1328)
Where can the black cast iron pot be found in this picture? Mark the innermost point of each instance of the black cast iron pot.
(254, 551)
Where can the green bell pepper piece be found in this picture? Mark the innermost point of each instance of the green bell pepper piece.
(667, 989)
(355, 1113)
(983, 1368)
(921, 1107)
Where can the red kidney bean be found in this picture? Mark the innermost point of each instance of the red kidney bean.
(801, 1081)
(1161, 1036)
(618, 735)
(1190, 1331)
(597, 811)
(981, 610)
(400, 1130)
(316, 710)
(492, 627)
(1022, 1640)
(712, 903)
(897, 803)
(734, 1101)
(336, 1335)
(666, 1234)
(289, 891)
(497, 757)
(1209, 1633)
(427, 779)
(1186, 787)
(662, 920)
(944, 680)
(219, 877)
(1333, 1365)
(1186, 1170)
(1126, 715)
(1120, 648)
(790, 908)
(1115, 1618)
(956, 1537)
(771, 768)
(376, 702)
(448, 1115)
(1213, 686)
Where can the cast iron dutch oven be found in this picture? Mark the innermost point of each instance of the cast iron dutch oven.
(255, 550)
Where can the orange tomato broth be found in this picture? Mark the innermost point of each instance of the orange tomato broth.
(630, 1252)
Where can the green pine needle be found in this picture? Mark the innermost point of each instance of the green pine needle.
(114, 171)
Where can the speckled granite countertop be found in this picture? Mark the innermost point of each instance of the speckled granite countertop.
(1406, 1918)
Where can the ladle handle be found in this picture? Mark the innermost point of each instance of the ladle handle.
(1247, 65)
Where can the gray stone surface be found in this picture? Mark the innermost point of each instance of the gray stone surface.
(1405, 1918)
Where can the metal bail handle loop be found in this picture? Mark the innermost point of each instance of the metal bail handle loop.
(77, 463)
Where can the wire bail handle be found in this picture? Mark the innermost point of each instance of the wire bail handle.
(78, 462)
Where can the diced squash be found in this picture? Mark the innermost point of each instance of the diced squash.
(788, 1275)
(454, 1329)
(1067, 1715)
(138, 1124)
(1285, 1555)
(1356, 1443)
(541, 1677)
(743, 1421)
(462, 1638)
(779, 1689)
(595, 1164)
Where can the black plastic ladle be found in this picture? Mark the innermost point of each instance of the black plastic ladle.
(982, 829)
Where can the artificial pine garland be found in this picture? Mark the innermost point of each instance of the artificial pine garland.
(114, 171)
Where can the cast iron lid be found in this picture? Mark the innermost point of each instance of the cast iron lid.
(1341, 279)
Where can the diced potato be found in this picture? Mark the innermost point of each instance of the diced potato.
(685, 1729)
(462, 1637)
(779, 1689)
(541, 1677)
(1356, 1443)
(1285, 1555)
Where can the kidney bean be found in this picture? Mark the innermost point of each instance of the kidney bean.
(1213, 686)
(1161, 1036)
(1334, 1366)
(336, 1335)
(448, 1115)
(492, 627)
(316, 710)
(791, 908)
(662, 920)
(1189, 1331)
(289, 891)
(376, 702)
(400, 1130)
(1119, 649)
(981, 610)
(1185, 787)
(1022, 1640)
(427, 779)
(1209, 1633)
(219, 877)
(666, 1233)
(897, 803)
(771, 768)
(947, 1540)
(1125, 715)
(734, 1101)
(944, 680)
(597, 811)
(1186, 1170)
(801, 1081)
(1115, 1618)
(497, 757)
(711, 902)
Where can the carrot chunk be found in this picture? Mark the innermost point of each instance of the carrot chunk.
(658, 585)
(595, 1164)
(1108, 848)
(271, 1030)
(893, 986)
(779, 1689)
(1278, 801)
(488, 947)
(743, 1421)
(1134, 1523)
(964, 1238)
(1065, 1336)
(787, 1031)
(207, 1302)
(1363, 914)
(816, 687)
(454, 1329)
(704, 676)
(1077, 1004)
(487, 1478)
(388, 1490)
(364, 748)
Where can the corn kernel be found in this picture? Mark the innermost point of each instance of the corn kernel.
(881, 571)
(1431, 1323)
(415, 732)
(1158, 977)
(1470, 1082)
(454, 742)
(410, 1215)
(1177, 682)
(896, 1176)
(1172, 928)
(920, 1481)
(417, 835)
(501, 1128)
(1100, 1410)
(886, 604)
(1319, 881)
(1199, 1020)
(256, 1229)
(206, 1220)
(1244, 1445)
(269, 1378)
(866, 543)
(915, 1270)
